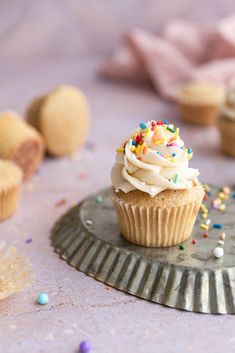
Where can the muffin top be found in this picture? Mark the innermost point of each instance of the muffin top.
(153, 159)
(203, 91)
(10, 175)
(228, 109)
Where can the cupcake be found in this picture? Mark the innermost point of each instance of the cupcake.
(200, 103)
(62, 117)
(20, 143)
(155, 194)
(226, 123)
(10, 180)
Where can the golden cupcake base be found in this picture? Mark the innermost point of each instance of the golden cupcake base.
(227, 135)
(10, 180)
(20, 143)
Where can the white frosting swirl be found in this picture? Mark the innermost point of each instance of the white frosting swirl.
(158, 162)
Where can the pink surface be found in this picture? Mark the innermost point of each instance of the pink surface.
(81, 308)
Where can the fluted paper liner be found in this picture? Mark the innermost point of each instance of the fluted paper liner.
(201, 115)
(16, 272)
(227, 134)
(10, 180)
(20, 143)
(196, 110)
(155, 227)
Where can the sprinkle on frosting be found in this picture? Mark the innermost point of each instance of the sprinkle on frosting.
(153, 159)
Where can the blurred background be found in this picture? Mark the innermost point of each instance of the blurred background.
(46, 43)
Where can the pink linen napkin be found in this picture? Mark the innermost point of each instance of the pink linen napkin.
(182, 52)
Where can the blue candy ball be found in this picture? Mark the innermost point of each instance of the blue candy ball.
(43, 299)
(84, 347)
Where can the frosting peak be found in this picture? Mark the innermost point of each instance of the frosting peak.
(153, 159)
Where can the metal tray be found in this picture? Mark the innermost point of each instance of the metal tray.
(88, 238)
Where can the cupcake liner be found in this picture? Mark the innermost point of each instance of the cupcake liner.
(8, 202)
(15, 271)
(227, 134)
(200, 113)
(20, 143)
(156, 227)
(10, 180)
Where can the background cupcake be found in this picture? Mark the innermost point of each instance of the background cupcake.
(226, 122)
(156, 195)
(200, 103)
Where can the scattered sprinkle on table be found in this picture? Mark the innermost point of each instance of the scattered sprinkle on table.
(223, 235)
(218, 252)
(83, 175)
(29, 240)
(84, 347)
(220, 242)
(194, 241)
(205, 235)
(181, 247)
(61, 202)
(89, 222)
(43, 299)
(99, 199)
(218, 225)
(204, 226)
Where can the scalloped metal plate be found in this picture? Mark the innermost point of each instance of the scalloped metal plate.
(191, 279)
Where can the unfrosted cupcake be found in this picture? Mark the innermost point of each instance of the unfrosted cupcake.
(10, 180)
(226, 123)
(200, 103)
(155, 193)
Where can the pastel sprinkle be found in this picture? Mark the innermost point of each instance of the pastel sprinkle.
(29, 240)
(43, 299)
(61, 202)
(220, 242)
(143, 126)
(207, 187)
(176, 178)
(226, 190)
(177, 133)
(165, 121)
(189, 150)
(204, 226)
(222, 236)
(194, 241)
(89, 222)
(218, 252)
(181, 247)
(120, 149)
(173, 154)
(84, 347)
(218, 225)
(171, 130)
(222, 207)
(99, 199)
(208, 222)
(145, 150)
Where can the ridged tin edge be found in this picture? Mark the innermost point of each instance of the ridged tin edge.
(205, 291)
